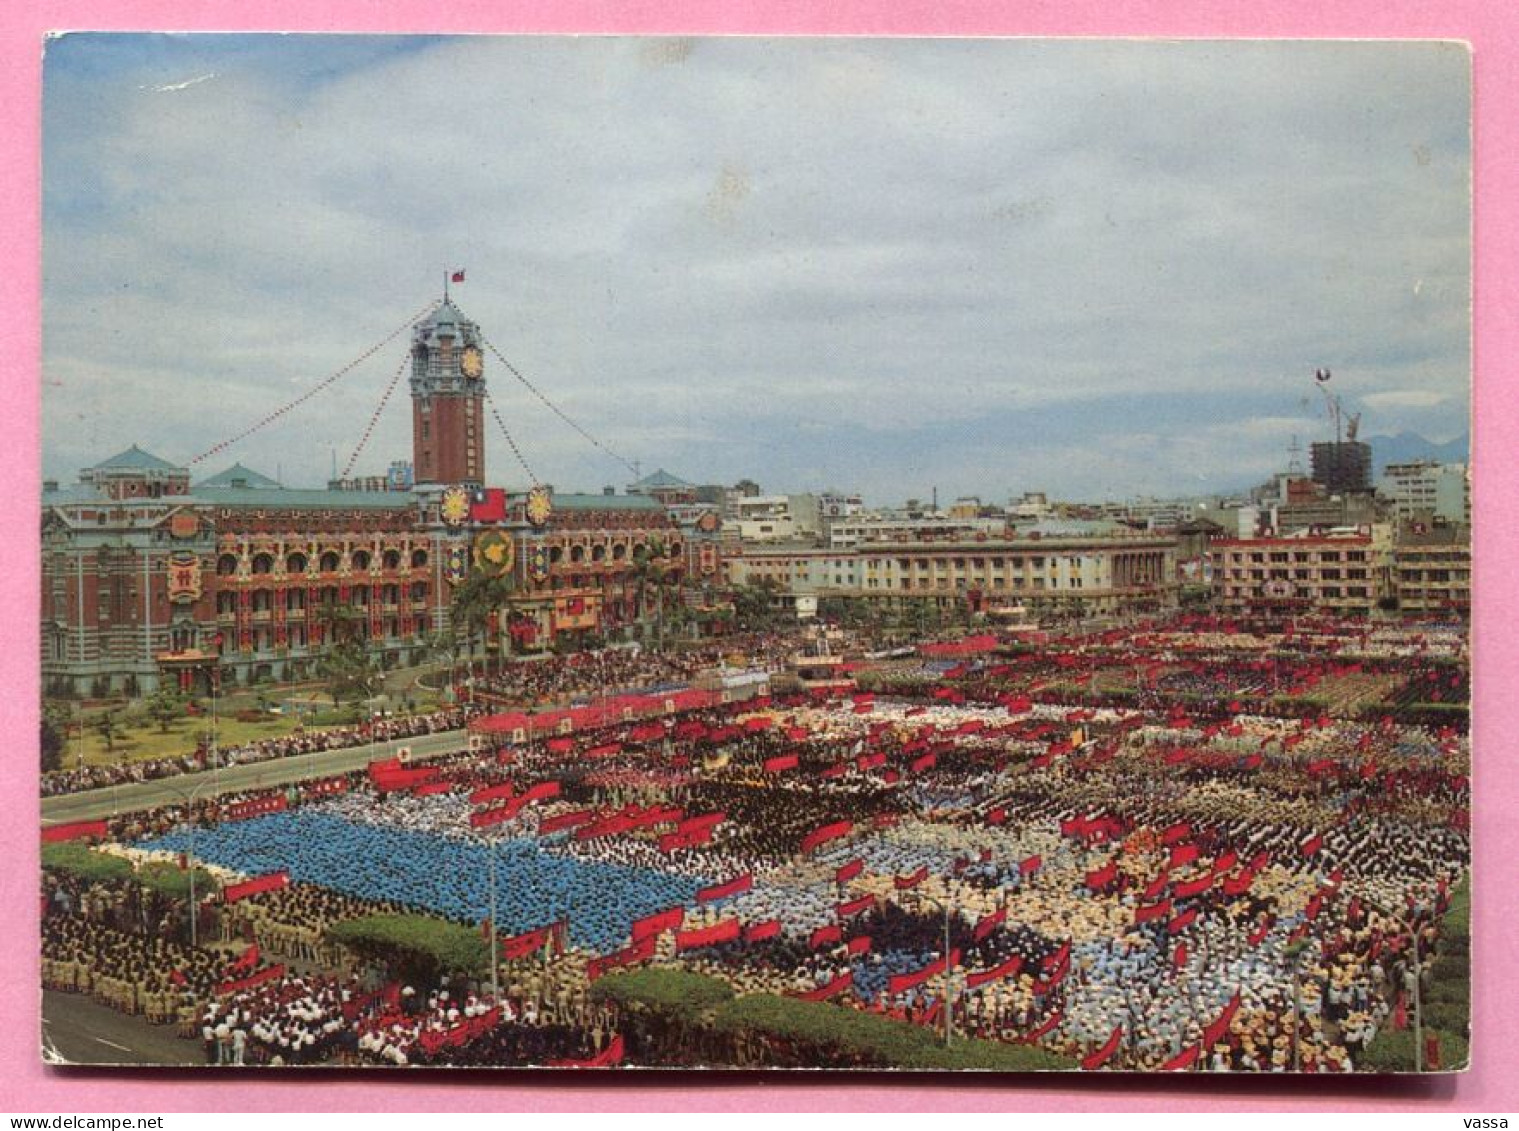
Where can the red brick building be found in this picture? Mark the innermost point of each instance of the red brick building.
(148, 578)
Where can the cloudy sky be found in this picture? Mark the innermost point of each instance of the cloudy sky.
(1095, 269)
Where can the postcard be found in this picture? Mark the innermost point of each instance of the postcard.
(751, 553)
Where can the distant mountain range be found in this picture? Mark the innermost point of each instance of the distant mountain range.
(1409, 447)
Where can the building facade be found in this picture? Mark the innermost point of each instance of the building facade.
(149, 580)
(1442, 490)
(1432, 569)
(1093, 575)
(1342, 574)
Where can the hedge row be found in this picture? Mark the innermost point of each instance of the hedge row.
(92, 866)
(418, 942)
(832, 1033)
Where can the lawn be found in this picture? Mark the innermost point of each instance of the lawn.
(139, 738)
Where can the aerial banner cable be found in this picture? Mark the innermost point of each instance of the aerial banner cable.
(554, 408)
(326, 382)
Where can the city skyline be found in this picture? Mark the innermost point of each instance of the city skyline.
(709, 270)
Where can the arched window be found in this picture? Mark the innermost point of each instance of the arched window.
(577, 553)
(556, 554)
(598, 553)
(418, 559)
(619, 551)
(391, 559)
(263, 563)
(226, 565)
(360, 559)
(329, 562)
(295, 563)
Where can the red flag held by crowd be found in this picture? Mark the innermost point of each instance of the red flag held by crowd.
(849, 871)
(736, 886)
(912, 880)
(1104, 1053)
(1182, 1061)
(989, 923)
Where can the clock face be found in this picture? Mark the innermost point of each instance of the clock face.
(471, 363)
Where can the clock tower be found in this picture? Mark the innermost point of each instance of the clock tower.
(447, 399)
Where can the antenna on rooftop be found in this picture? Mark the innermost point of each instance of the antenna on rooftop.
(1295, 458)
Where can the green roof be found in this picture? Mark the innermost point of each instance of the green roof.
(304, 499)
(660, 478)
(251, 480)
(606, 503)
(135, 459)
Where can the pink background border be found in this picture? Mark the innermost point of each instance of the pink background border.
(1492, 27)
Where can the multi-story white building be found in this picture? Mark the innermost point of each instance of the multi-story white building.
(898, 526)
(1440, 489)
(1096, 574)
(1341, 573)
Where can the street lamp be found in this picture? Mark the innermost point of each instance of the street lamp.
(190, 799)
(495, 958)
(1411, 979)
(943, 906)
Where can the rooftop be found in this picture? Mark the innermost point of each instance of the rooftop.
(606, 503)
(660, 478)
(238, 477)
(135, 459)
(283, 497)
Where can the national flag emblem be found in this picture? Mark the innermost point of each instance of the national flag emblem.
(487, 504)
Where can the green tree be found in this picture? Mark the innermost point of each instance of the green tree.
(480, 597)
(105, 726)
(55, 723)
(655, 573)
(165, 706)
(340, 623)
(754, 604)
(347, 670)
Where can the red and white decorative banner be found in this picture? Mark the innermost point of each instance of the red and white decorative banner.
(658, 923)
(736, 886)
(824, 992)
(273, 881)
(726, 931)
(54, 834)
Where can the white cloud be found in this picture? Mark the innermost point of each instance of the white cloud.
(706, 248)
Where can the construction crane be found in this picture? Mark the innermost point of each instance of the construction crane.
(1345, 428)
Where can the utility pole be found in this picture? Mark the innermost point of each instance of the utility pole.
(943, 905)
(495, 958)
(190, 799)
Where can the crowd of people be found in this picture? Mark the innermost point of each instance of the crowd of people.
(102, 776)
(1173, 877)
(558, 680)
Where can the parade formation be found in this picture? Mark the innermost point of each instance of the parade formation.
(1182, 843)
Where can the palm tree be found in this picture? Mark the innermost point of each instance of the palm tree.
(653, 571)
(339, 623)
(474, 603)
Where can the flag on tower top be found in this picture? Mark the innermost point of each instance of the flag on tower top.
(457, 276)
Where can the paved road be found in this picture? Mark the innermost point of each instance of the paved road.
(79, 1030)
(97, 803)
